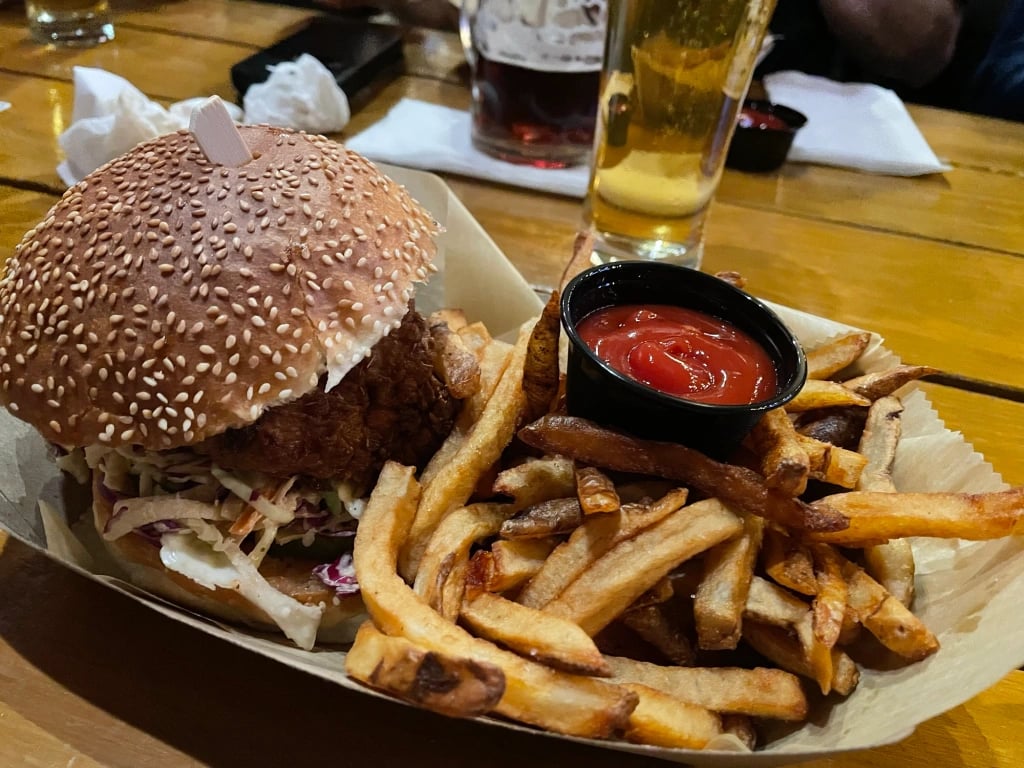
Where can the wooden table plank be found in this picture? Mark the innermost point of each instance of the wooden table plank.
(242, 22)
(21, 211)
(40, 111)
(976, 142)
(938, 207)
(200, 68)
(22, 742)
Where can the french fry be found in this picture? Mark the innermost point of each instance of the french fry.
(882, 383)
(537, 480)
(788, 562)
(876, 517)
(742, 727)
(582, 257)
(829, 604)
(817, 393)
(534, 694)
(596, 491)
(493, 358)
(454, 318)
(891, 563)
(769, 603)
(722, 594)
(878, 444)
(836, 354)
(840, 427)
(441, 577)
(779, 647)
(761, 692)
(833, 464)
(820, 660)
(784, 462)
(661, 592)
(457, 687)
(610, 584)
(515, 561)
(544, 519)
(887, 618)
(453, 483)
(538, 636)
(597, 535)
(540, 369)
(739, 487)
(474, 335)
(666, 721)
(654, 625)
(457, 363)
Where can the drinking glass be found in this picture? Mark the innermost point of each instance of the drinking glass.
(675, 75)
(536, 65)
(70, 22)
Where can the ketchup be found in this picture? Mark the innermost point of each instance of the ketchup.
(682, 352)
(752, 118)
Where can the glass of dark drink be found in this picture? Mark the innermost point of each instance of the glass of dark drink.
(536, 69)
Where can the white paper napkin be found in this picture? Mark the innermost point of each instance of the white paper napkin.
(301, 94)
(110, 115)
(432, 138)
(853, 125)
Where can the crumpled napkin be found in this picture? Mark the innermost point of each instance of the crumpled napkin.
(853, 125)
(110, 115)
(300, 94)
(433, 138)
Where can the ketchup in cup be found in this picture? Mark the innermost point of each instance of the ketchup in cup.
(682, 352)
(766, 121)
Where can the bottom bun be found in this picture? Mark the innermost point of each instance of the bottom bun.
(140, 560)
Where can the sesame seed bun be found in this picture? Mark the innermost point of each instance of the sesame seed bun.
(166, 299)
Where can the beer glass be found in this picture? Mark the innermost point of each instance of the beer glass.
(535, 65)
(675, 75)
(70, 22)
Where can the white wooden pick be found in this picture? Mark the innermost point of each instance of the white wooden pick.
(217, 135)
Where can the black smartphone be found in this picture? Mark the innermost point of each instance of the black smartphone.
(356, 52)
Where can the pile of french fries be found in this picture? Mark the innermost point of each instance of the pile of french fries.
(547, 570)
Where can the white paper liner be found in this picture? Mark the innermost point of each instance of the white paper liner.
(968, 593)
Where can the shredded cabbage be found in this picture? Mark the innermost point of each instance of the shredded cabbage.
(339, 575)
(181, 501)
(74, 464)
(251, 496)
(130, 514)
(299, 622)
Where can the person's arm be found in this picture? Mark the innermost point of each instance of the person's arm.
(999, 82)
(911, 41)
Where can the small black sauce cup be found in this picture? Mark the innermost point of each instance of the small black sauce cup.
(760, 148)
(596, 391)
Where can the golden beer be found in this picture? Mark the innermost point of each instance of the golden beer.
(675, 74)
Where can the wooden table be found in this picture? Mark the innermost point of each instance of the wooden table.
(936, 265)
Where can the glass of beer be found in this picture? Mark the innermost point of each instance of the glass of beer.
(536, 66)
(70, 22)
(675, 74)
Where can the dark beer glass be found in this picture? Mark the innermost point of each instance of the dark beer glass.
(536, 73)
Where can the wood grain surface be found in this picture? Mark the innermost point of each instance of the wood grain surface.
(936, 265)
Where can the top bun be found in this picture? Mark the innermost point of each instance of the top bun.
(166, 298)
